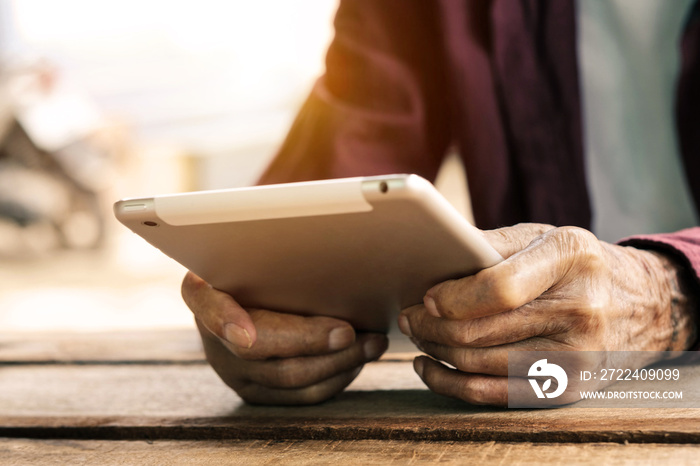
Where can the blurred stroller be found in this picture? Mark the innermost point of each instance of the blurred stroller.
(51, 172)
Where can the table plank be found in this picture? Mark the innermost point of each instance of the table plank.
(387, 401)
(174, 345)
(367, 452)
(181, 345)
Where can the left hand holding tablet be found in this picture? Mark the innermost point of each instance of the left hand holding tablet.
(559, 289)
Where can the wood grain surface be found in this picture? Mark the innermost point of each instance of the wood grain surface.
(314, 452)
(387, 401)
(181, 345)
(150, 398)
(178, 345)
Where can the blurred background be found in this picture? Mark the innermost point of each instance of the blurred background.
(105, 100)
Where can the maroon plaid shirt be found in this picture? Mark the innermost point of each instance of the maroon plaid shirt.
(407, 79)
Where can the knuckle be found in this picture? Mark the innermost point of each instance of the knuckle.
(462, 361)
(576, 241)
(504, 288)
(261, 317)
(462, 334)
(461, 337)
(579, 250)
(483, 339)
(448, 299)
(500, 235)
(539, 228)
(288, 373)
(573, 233)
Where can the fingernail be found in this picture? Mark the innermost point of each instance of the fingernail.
(237, 335)
(373, 348)
(404, 326)
(429, 304)
(340, 338)
(419, 366)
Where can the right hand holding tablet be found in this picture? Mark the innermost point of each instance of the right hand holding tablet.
(275, 358)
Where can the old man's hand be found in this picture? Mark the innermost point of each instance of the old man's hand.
(558, 289)
(274, 358)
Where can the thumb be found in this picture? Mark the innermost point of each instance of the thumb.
(218, 312)
(509, 240)
(508, 285)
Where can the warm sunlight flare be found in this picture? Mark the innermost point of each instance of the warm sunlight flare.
(203, 92)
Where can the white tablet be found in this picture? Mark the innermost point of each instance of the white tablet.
(360, 249)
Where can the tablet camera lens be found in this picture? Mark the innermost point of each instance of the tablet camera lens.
(383, 187)
(149, 223)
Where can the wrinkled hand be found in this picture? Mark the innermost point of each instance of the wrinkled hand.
(273, 358)
(558, 289)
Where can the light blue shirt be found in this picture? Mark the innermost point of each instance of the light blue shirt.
(628, 52)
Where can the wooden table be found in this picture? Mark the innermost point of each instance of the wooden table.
(149, 397)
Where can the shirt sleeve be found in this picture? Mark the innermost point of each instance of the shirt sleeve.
(380, 107)
(684, 245)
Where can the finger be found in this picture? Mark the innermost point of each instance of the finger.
(487, 361)
(260, 394)
(302, 372)
(516, 281)
(473, 388)
(301, 382)
(480, 389)
(274, 334)
(531, 320)
(282, 335)
(218, 312)
(509, 240)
